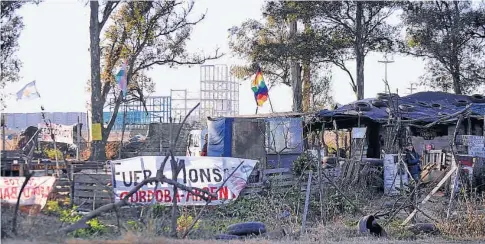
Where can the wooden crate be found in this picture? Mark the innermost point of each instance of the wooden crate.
(92, 190)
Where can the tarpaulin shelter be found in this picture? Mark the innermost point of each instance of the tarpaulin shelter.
(420, 107)
(416, 109)
(259, 137)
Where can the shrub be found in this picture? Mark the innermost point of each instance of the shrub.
(51, 153)
(70, 216)
(306, 161)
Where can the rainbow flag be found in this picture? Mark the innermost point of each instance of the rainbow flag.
(121, 78)
(259, 88)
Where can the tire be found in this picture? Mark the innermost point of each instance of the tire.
(477, 98)
(248, 228)
(406, 107)
(227, 237)
(381, 96)
(362, 106)
(379, 103)
(461, 103)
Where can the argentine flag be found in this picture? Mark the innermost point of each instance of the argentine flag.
(28, 92)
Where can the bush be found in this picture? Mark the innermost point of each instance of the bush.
(51, 153)
(70, 216)
(306, 161)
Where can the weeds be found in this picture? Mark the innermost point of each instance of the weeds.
(70, 216)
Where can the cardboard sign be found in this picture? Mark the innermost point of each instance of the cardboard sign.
(96, 132)
(35, 192)
(202, 172)
(359, 132)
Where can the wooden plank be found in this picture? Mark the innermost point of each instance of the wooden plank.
(97, 187)
(254, 185)
(247, 191)
(92, 178)
(283, 183)
(448, 175)
(273, 171)
(88, 202)
(90, 194)
(281, 177)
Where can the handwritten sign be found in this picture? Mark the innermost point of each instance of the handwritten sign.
(475, 144)
(35, 192)
(206, 173)
(62, 133)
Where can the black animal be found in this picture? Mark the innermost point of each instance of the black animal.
(374, 228)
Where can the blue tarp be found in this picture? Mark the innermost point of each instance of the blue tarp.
(422, 109)
(220, 137)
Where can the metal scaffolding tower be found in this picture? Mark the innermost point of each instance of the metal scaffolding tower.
(158, 107)
(182, 103)
(219, 92)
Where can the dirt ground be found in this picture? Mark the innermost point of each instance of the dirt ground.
(140, 240)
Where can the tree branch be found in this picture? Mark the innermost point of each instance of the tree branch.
(108, 9)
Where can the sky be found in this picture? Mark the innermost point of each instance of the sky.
(54, 49)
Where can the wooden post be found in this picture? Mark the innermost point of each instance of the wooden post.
(3, 132)
(46, 169)
(71, 177)
(452, 170)
(307, 202)
(57, 161)
(78, 132)
(21, 169)
(319, 168)
(336, 138)
(122, 133)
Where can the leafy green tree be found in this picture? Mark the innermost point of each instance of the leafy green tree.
(440, 31)
(334, 32)
(145, 34)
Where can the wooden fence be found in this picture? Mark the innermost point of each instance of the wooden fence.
(93, 190)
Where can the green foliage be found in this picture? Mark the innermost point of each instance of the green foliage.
(70, 216)
(51, 153)
(134, 225)
(184, 221)
(441, 31)
(306, 161)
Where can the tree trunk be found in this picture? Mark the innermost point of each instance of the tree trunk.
(295, 75)
(306, 78)
(359, 51)
(98, 150)
(455, 62)
(456, 79)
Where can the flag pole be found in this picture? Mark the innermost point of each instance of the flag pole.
(269, 99)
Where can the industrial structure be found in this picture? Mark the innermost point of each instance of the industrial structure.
(218, 96)
(219, 92)
(157, 109)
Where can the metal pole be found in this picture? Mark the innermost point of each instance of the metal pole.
(385, 62)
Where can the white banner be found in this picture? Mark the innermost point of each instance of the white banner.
(35, 192)
(202, 172)
(62, 133)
